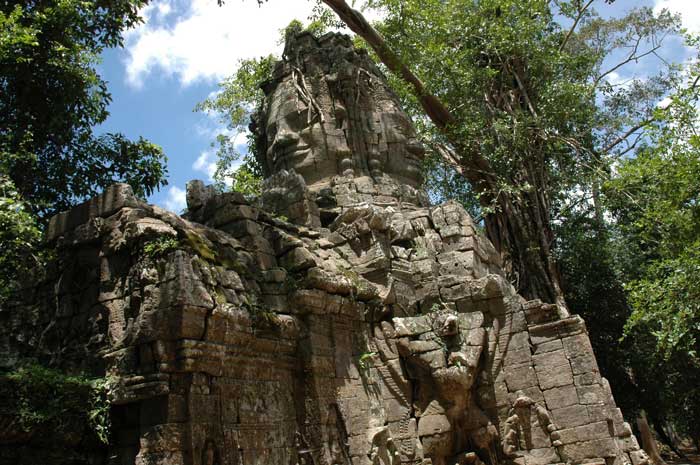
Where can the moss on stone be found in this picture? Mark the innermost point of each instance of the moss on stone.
(200, 247)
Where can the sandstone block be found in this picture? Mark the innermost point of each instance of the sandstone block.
(548, 346)
(591, 394)
(411, 326)
(581, 451)
(491, 286)
(520, 377)
(550, 360)
(577, 345)
(554, 376)
(561, 397)
(571, 416)
(430, 425)
(541, 456)
(585, 363)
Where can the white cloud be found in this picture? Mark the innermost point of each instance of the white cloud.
(199, 40)
(663, 104)
(177, 199)
(213, 126)
(164, 8)
(615, 80)
(688, 9)
(206, 163)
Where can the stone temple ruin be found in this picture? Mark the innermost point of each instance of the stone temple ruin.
(338, 319)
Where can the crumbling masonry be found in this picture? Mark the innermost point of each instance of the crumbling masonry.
(337, 319)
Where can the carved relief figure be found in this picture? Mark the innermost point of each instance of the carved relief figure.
(404, 153)
(298, 134)
(209, 454)
(529, 426)
(443, 355)
(383, 450)
(336, 442)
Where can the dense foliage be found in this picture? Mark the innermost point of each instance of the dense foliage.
(51, 97)
(662, 226)
(655, 201)
(48, 399)
(55, 417)
(19, 236)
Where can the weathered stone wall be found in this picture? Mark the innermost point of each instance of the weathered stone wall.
(354, 325)
(391, 337)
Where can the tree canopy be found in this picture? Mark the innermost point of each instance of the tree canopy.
(51, 98)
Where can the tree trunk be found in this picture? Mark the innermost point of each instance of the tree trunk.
(648, 441)
(520, 229)
(665, 438)
(521, 232)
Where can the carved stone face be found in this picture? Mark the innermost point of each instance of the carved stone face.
(404, 151)
(362, 130)
(296, 141)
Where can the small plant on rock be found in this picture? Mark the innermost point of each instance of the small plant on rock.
(365, 358)
(161, 246)
(261, 317)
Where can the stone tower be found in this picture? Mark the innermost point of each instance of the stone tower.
(339, 319)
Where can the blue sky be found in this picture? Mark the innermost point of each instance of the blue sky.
(185, 47)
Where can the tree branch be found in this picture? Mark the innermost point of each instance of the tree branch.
(476, 168)
(631, 57)
(581, 11)
(521, 86)
(448, 156)
(630, 147)
(624, 136)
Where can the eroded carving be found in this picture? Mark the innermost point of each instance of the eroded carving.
(383, 450)
(210, 455)
(519, 434)
(444, 357)
(330, 116)
(337, 441)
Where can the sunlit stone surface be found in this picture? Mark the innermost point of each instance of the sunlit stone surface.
(338, 319)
